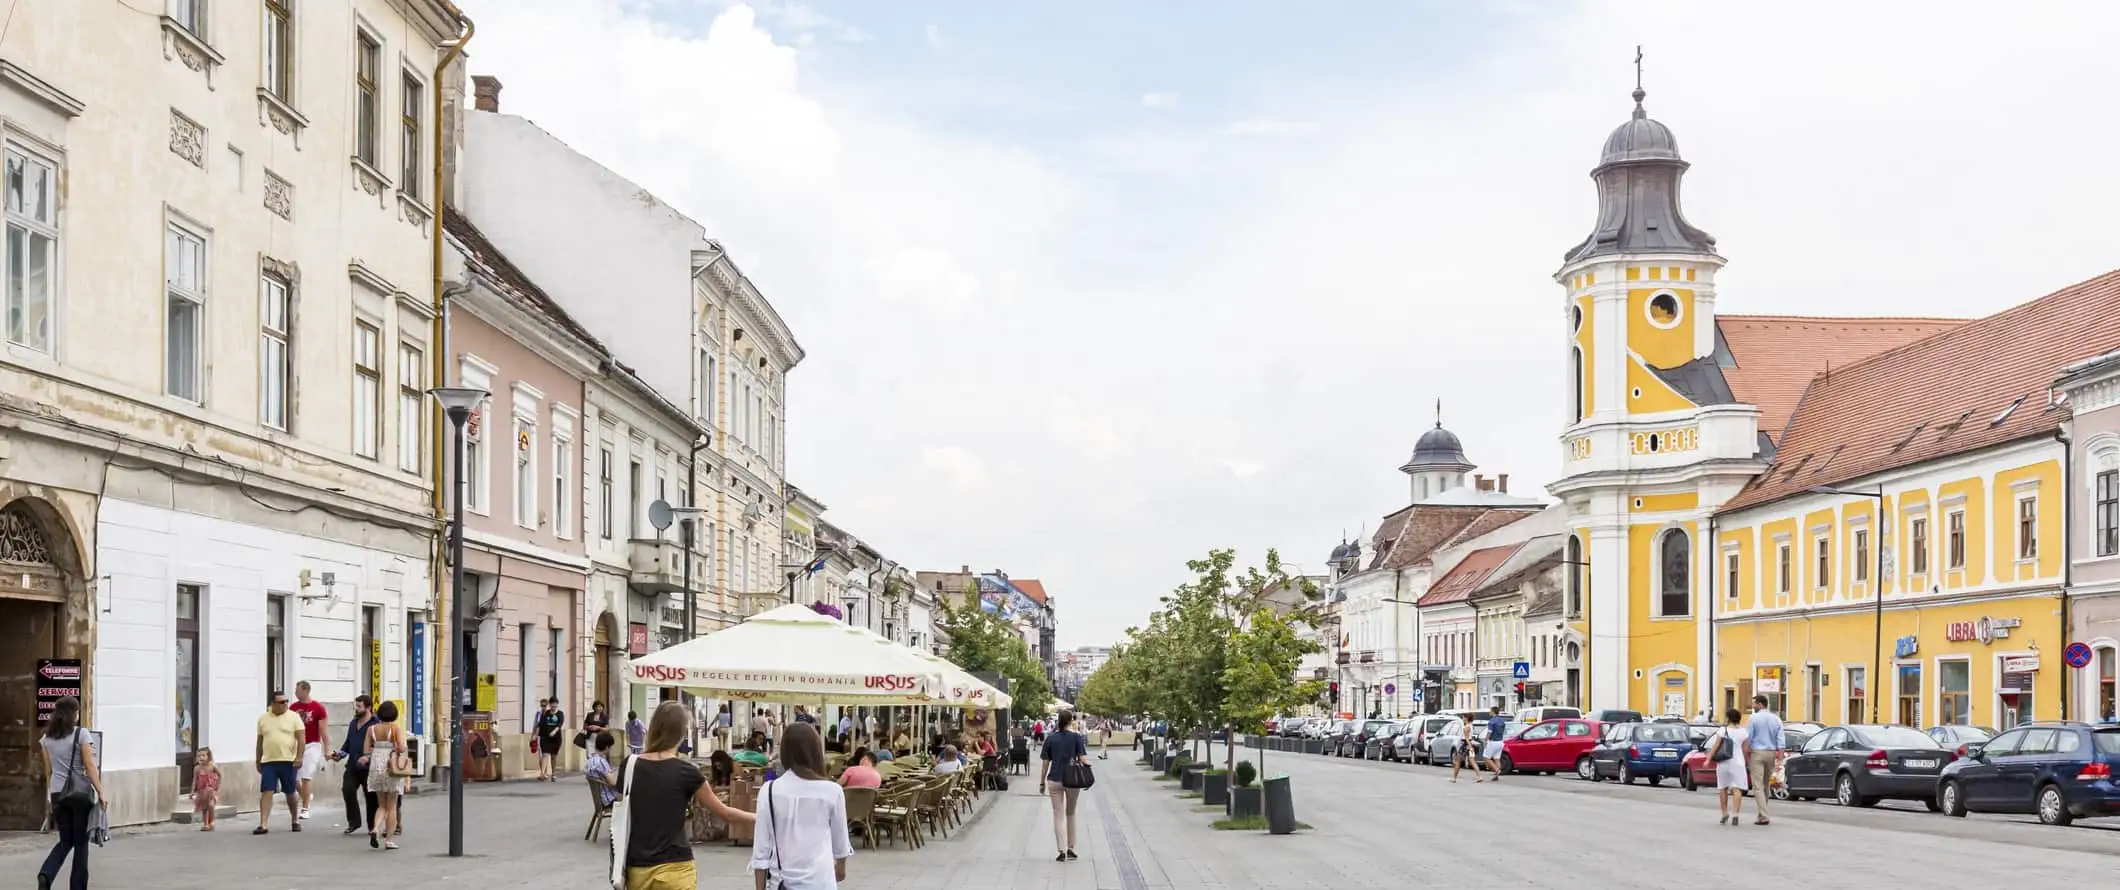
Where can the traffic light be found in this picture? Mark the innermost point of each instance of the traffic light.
(1335, 691)
(1519, 691)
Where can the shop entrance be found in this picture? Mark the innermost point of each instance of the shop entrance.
(1909, 711)
(607, 660)
(33, 590)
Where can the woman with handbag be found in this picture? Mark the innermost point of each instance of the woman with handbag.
(76, 788)
(802, 842)
(1728, 751)
(1066, 768)
(651, 840)
(388, 765)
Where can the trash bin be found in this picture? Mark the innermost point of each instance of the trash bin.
(1280, 807)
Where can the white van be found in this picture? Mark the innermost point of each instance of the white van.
(1546, 712)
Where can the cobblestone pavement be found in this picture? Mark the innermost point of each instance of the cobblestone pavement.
(1375, 825)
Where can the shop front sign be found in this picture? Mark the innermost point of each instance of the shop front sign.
(2020, 664)
(1987, 630)
(1767, 680)
(1906, 647)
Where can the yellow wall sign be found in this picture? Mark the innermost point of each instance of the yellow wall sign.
(375, 667)
(487, 696)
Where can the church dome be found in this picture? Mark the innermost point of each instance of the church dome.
(1437, 448)
(1640, 139)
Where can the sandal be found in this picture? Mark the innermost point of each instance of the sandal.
(392, 845)
(260, 830)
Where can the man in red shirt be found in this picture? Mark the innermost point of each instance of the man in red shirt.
(313, 720)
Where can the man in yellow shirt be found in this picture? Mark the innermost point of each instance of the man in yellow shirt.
(279, 745)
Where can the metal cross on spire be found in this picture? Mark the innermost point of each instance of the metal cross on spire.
(1438, 413)
(1639, 93)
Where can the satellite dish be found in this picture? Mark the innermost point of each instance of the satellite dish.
(660, 515)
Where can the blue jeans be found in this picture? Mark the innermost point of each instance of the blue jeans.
(71, 821)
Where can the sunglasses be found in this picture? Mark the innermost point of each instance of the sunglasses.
(278, 702)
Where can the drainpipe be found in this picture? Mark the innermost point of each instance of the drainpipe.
(438, 350)
(1714, 568)
(2068, 564)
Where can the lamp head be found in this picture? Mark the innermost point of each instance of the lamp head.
(458, 401)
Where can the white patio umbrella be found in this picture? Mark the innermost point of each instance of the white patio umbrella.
(792, 654)
(961, 689)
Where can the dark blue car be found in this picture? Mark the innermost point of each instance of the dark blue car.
(1653, 751)
(2057, 771)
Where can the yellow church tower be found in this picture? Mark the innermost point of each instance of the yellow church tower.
(1654, 437)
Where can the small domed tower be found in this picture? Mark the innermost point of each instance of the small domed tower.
(1438, 463)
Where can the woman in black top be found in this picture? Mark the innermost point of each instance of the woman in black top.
(658, 841)
(1063, 746)
(551, 724)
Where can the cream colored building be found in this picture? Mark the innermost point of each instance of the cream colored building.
(214, 449)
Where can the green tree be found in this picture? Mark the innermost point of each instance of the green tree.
(1260, 672)
(980, 641)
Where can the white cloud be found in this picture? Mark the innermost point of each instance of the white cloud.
(1159, 100)
(965, 472)
(934, 39)
(1243, 469)
(1265, 126)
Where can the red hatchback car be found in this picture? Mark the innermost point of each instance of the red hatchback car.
(1553, 746)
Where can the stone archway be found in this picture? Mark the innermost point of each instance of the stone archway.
(44, 613)
(609, 648)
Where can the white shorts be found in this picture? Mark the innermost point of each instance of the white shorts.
(312, 761)
(1493, 751)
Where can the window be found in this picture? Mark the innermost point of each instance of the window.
(1954, 541)
(1954, 695)
(1861, 567)
(1857, 692)
(1813, 684)
(2028, 528)
(275, 363)
(1734, 573)
(1575, 357)
(707, 375)
(1823, 577)
(633, 496)
(1676, 596)
(2105, 517)
(772, 440)
(412, 408)
(552, 663)
(603, 493)
(1575, 576)
(188, 14)
(184, 326)
(562, 493)
(526, 472)
(367, 389)
(279, 49)
(475, 461)
(31, 185)
(368, 98)
(523, 644)
(276, 643)
(1918, 544)
(2108, 682)
(410, 174)
(1781, 578)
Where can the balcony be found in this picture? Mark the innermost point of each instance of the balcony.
(1342, 658)
(749, 604)
(659, 566)
(1369, 657)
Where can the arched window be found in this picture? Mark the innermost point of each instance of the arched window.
(1575, 576)
(1576, 359)
(1675, 581)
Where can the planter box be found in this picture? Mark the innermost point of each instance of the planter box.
(1189, 778)
(1214, 789)
(1280, 807)
(1313, 746)
(1245, 802)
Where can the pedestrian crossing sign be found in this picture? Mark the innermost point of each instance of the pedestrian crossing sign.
(1523, 670)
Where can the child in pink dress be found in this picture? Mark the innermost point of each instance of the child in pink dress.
(205, 788)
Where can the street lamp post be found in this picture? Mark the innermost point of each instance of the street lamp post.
(457, 403)
(1876, 680)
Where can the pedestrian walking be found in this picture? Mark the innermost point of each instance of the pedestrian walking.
(802, 842)
(387, 762)
(1730, 754)
(75, 784)
(354, 786)
(205, 788)
(657, 787)
(1763, 750)
(1497, 727)
(1464, 755)
(636, 733)
(551, 726)
(1104, 739)
(314, 718)
(1064, 747)
(280, 733)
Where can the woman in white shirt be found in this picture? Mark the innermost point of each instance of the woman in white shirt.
(949, 762)
(1731, 783)
(801, 836)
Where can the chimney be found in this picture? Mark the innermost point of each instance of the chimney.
(1502, 480)
(1480, 483)
(486, 90)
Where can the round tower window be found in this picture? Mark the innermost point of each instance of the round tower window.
(1575, 319)
(1664, 310)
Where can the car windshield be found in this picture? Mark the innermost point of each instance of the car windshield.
(1660, 732)
(1892, 737)
(1372, 726)
(1550, 713)
(2107, 740)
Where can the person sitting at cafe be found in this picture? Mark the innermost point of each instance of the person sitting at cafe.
(721, 769)
(949, 762)
(752, 752)
(861, 771)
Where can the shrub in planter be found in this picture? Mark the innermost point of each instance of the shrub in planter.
(1246, 773)
(1214, 788)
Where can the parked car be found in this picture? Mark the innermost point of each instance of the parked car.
(1958, 737)
(1411, 746)
(1861, 764)
(1550, 746)
(1542, 713)
(1352, 744)
(1613, 715)
(1700, 773)
(1378, 745)
(1629, 751)
(1444, 743)
(2059, 772)
(1288, 727)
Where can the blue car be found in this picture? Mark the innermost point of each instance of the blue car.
(1653, 751)
(2059, 772)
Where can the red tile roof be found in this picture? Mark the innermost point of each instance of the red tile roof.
(1457, 585)
(1417, 531)
(1978, 384)
(1030, 586)
(1777, 355)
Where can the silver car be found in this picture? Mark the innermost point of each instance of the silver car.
(1411, 746)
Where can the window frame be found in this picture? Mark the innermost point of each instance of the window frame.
(1954, 545)
(412, 407)
(277, 49)
(194, 23)
(367, 97)
(33, 227)
(368, 372)
(562, 475)
(176, 233)
(1784, 567)
(412, 99)
(1859, 560)
(1664, 594)
(1944, 696)
(270, 337)
(607, 501)
(1822, 563)
(1918, 546)
(2028, 528)
(2105, 513)
(525, 470)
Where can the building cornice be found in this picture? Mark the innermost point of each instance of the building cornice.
(737, 290)
(1894, 481)
(549, 341)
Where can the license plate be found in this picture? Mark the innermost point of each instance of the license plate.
(1666, 753)
(1921, 764)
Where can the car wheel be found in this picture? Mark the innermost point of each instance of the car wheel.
(1585, 770)
(1626, 776)
(1656, 781)
(1949, 801)
(2053, 808)
(1935, 805)
(1685, 780)
(1844, 792)
(1508, 766)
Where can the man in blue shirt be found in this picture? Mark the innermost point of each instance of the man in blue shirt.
(1497, 726)
(1763, 737)
(354, 752)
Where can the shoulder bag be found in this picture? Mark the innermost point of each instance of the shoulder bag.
(1078, 774)
(400, 759)
(622, 826)
(67, 795)
(1722, 747)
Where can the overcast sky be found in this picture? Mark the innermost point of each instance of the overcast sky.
(1089, 288)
